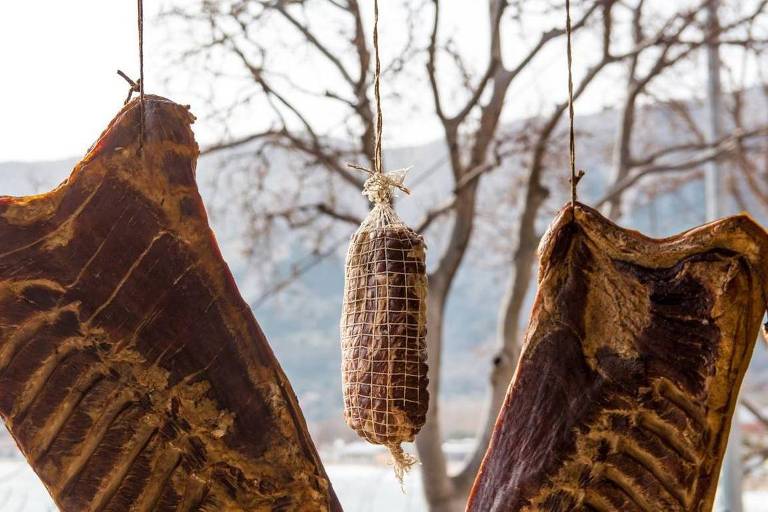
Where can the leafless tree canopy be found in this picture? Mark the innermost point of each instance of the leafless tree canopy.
(294, 82)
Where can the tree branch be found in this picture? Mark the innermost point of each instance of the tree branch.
(715, 152)
(312, 39)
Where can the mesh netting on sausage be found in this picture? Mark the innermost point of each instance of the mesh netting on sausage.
(383, 329)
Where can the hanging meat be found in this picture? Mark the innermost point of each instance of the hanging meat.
(384, 313)
(383, 327)
(132, 374)
(633, 359)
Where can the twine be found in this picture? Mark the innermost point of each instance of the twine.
(377, 88)
(402, 462)
(379, 187)
(140, 15)
(134, 86)
(575, 176)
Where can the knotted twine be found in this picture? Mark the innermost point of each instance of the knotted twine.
(384, 312)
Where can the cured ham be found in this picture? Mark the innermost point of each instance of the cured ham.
(132, 374)
(631, 368)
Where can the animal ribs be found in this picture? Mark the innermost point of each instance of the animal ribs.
(132, 375)
(630, 372)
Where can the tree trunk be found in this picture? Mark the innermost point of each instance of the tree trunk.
(621, 154)
(439, 489)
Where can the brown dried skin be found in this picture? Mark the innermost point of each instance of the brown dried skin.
(383, 332)
(132, 374)
(633, 359)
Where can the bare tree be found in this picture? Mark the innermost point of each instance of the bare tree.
(249, 40)
(688, 35)
(749, 155)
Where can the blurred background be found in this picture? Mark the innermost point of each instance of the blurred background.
(672, 130)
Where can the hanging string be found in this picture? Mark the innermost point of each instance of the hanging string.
(379, 185)
(140, 6)
(377, 87)
(571, 131)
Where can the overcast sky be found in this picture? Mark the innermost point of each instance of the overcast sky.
(58, 59)
(59, 86)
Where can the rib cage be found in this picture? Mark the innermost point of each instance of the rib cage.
(633, 358)
(132, 375)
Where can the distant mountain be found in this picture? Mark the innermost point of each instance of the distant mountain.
(302, 325)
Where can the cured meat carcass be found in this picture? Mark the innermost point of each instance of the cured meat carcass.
(132, 375)
(631, 368)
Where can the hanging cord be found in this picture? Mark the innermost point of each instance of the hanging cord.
(377, 87)
(378, 187)
(140, 13)
(575, 177)
(138, 85)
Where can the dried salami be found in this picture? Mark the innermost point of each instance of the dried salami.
(383, 327)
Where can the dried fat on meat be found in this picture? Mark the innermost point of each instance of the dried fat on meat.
(132, 374)
(630, 372)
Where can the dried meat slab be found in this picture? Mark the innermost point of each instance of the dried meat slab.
(629, 376)
(132, 374)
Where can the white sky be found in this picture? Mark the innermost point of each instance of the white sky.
(59, 86)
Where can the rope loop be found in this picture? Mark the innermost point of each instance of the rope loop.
(134, 86)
